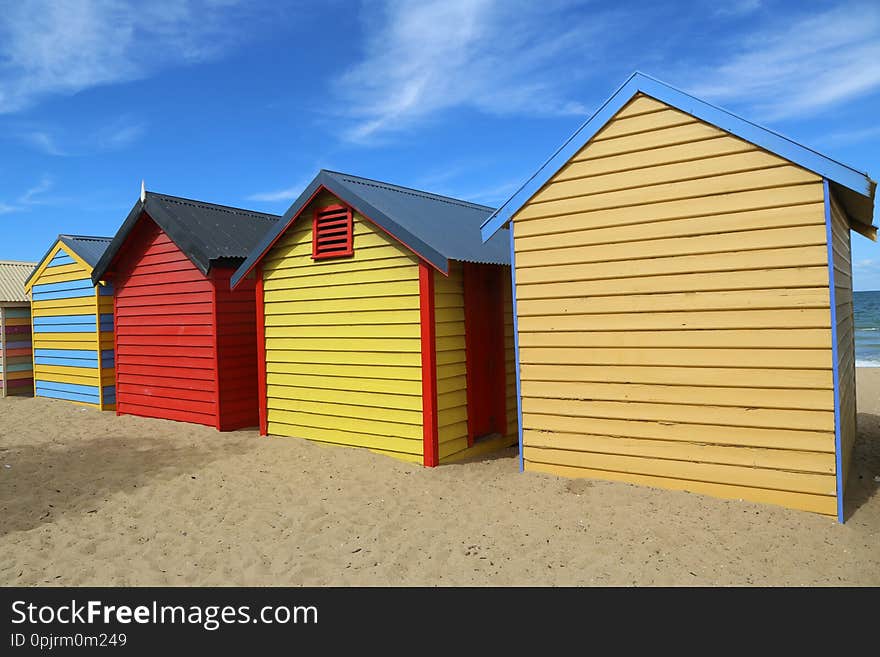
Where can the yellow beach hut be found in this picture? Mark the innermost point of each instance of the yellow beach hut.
(16, 367)
(384, 322)
(73, 324)
(684, 304)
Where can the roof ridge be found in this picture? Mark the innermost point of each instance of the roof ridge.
(84, 237)
(207, 204)
(414, 192)
(17, 262)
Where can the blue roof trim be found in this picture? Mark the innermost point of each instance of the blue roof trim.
(339, 188)
(784, 147)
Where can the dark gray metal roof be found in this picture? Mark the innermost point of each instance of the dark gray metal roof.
(87, 247)
(207, 233)
(437, 228)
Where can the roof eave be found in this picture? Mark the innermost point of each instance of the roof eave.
(637, 83)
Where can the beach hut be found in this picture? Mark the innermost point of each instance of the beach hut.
(384, 322)
(72, 324)
(16, 360)
(185, 344)
(684, 304)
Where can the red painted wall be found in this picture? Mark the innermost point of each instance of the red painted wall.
(185, 344)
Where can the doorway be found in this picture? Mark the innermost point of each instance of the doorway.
(484, 344)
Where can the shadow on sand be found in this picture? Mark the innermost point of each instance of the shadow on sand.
(864, 466)
(41, 483)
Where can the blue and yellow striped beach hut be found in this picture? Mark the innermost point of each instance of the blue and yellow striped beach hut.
(73, 324)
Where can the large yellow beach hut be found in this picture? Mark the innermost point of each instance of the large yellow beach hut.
(684, 306)
(73, 324)
(384, 322)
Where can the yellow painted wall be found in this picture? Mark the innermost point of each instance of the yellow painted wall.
(452, 368)
(343, 345)
(673, 309)
(73, 365)
(843, 297)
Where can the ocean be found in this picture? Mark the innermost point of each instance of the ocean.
(866, 306)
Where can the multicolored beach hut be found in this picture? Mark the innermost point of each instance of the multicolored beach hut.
(72, 324)
(16, 361)
(684, 304)
(384, 322)
(186, 345)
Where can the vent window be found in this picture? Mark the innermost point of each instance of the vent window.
(332, 232)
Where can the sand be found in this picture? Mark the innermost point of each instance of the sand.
(87, 498)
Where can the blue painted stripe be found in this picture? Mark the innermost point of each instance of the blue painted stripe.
(105, 290)
(18, 313)
(66, 319)
(109, 394)
(67, 387)
(18, 344)
(60, 259)
(786, 148)
(67, 396)
(22, 367)
(80, 283)
(67, 353)
(67, 328)
(106, 322)
(66, 362)
(519, 419)
(67, 294)
(832, 295)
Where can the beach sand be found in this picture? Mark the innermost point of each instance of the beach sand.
(87, 498)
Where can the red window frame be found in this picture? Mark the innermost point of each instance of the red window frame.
(343, 227)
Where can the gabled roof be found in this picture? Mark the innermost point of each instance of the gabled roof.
(854, 189)
(208, 234)
(86, 249)
(13, 275)
(436, 228)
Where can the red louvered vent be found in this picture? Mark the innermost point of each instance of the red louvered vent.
(332, 232)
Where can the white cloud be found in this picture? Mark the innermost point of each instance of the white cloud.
(498, 57)
(43, 141)
(61, 47)
(799, 65)
(279, 195)
(34, 195)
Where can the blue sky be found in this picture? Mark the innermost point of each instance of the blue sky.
(241, 103)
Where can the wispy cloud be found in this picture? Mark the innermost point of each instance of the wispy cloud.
(120, 133)
(737, 7)
(33, 195)
(287, 194)
(61, 47)
(43, 142)
(110, 135)
(498, 57)
(799, 65)
(845, 137)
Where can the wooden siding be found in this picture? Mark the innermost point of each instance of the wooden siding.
(72, 333)
(343, 349)
(166, 341)
(510, 362)
(236, 321)
(672, 299)
(16, 357)
(452, 410)
(843, 298)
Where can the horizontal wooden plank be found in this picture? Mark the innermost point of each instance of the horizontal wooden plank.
(776, 459)
(278, 373)
(347, 358)
(816, 484)
(575, 247)
(388, 345)
(679, 394)
(690, 321)
(630, 125)
(757, 279)
(692, 414)
(681, 301)
(332, 292)
(716, 434)
(796, 256)
(685, 133)
(660, 174)
(343, 331)
(377, 318)
(283, 386)
(789, 358)
(641, 104)
(807, 502)
(343, 305)
(723, 338)
(343, 426)
(353, 411)
(354, 279)
(705, 189)
(708, 147)
(332, 370)
(380, 442)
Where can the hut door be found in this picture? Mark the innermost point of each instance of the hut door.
(484, 343)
